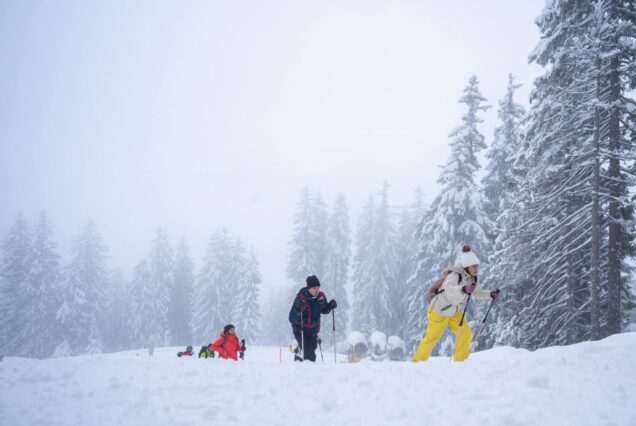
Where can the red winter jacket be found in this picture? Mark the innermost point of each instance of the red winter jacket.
(227, 346)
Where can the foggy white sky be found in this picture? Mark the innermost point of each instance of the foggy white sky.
(201, 114)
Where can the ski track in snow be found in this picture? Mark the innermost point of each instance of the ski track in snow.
(590, 383)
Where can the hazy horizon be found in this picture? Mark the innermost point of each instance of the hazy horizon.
(207, 115)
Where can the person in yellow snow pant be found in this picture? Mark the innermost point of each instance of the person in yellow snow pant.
(436, 327)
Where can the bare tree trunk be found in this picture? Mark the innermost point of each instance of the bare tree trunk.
(572, 334)
(615, 231)
(595, 331)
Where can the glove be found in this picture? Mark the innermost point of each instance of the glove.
(332, 304)
(468, 289)
(495, 294)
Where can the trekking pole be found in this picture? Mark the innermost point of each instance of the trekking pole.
(492, 302)
(333, 317)
(461, 323)
(320, 347)
(302, 336)
(483, 321)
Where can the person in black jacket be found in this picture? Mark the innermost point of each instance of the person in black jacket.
(308, 305)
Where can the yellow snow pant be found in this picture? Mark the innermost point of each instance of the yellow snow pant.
(436, 327)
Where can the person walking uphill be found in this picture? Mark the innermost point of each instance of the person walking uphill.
(446, 307)
(304, 317)
(228, 346)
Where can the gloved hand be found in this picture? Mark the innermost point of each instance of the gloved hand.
(468, 289)
(332, 304)
(495, 294)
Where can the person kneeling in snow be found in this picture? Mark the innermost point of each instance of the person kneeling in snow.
(304, 316)
(446, 308)
(228, 346)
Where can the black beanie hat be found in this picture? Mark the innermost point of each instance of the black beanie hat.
(312, 281)
(227, 328)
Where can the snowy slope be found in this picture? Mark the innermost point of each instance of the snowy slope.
(586, 384)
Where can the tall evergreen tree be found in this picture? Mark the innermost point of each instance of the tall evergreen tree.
(151, 289)
(307, 246)
(456, 216)
(246, 314)
(82, 314)
(337, 263)
(182, 293)
(376, 287)
(617, 66)
(214, 289)
(413, 307)
(117, 333)
(146, 330)
(13, 270)
(573, 179)
(162, 281)
(501, 185)
(39, 296)
(499, 177)
(363, 316)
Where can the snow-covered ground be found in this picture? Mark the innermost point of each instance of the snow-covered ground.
(585, 384)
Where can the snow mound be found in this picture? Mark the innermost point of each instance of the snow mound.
(590, 383)
(378, 339)
(356, 337)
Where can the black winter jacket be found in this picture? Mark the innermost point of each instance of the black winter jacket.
(311, 308)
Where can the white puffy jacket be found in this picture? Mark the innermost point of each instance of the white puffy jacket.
(450, 299)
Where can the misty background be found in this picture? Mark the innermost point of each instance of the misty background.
(200, 115)
(168, 169)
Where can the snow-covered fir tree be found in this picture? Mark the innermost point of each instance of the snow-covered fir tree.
(414, 309)
(162, 281)
(214, 290)
(246, 309)
(377, 292)
(307, 247)
(499, 179)
(572, 289)
(561, 165)
(145, 331)
(363, 316)
(151, 289)
(86, 280)
(306, 255)
(456, 216)
(13, 270)
(117, 333)
(182, 293)
(617, 69)
(337, 263)
(39, 297)
(501, 186)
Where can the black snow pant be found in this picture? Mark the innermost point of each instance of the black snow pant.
(311, 343)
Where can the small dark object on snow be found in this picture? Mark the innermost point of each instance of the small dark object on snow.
(187, 352)
(242, 353)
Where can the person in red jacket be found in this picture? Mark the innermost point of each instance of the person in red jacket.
(228, 345)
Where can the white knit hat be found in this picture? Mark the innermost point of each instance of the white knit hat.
(468, 258)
